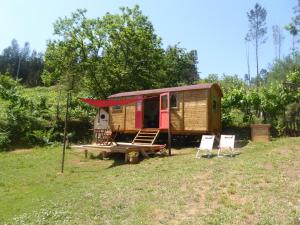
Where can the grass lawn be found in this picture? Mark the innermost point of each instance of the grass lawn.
(259, 186)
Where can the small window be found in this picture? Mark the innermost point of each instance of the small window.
(139, 106)
(117, 108)
(174, 101)
(164, 102)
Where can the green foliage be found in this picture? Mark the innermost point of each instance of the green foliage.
(243, 104)
(180, 66)
(280, 68)
(211, 78)
(31, 116)
(42, 137)
(115, 53)
(4, 141)
(22, 63)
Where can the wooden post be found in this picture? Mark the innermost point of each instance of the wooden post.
(65, 133)
(169, 128)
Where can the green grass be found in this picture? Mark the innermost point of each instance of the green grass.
(259, 186)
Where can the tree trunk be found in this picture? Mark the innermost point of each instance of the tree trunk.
(256, 55)
(293, 48)
(248, 63)
(256, 50)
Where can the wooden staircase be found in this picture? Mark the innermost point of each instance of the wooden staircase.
(146, 137)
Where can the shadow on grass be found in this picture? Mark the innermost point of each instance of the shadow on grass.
(221, 156)
(118, 159)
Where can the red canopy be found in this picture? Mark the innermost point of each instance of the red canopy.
(107, 103)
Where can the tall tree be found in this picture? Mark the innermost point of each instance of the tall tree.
(119, 52)
(22, 63)
(247, 41)
(257, 31)
(277, 40)
(180, 66)
(292, 29)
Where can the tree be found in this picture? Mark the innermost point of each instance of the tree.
(22, 63)
(280, 68)
(247, 40)
(292, 29)
(180, 66)
(277, 40)
(257, 30)
(115, 53)
(211, 78)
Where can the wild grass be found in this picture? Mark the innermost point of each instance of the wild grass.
(259, 186)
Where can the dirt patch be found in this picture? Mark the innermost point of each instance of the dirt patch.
(268, 166)
(196, 202)
(293, 173)
(19, 151)
(284, 151)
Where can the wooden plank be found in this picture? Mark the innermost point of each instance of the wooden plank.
(144, 136)
(136, 136)
(140, 139)
(154, 139)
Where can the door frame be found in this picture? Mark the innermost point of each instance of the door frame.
(164, 111)
(139, 112)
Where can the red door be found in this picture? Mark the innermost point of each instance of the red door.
(139, 113)
(164, 111)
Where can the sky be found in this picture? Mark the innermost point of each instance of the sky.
(215, 28)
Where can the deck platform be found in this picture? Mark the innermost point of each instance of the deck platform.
(121, 147)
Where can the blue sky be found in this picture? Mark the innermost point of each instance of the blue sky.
(215, 28)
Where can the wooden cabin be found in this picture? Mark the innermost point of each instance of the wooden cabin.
(186, 110)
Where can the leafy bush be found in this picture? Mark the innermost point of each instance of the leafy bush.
(4, 141)
(42, 137)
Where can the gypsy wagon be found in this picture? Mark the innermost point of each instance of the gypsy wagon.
(192, 109)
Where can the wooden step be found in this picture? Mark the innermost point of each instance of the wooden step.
(146, 137)
(139, 138)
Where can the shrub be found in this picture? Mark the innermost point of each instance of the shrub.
(4, 141)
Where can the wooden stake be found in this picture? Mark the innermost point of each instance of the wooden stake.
(65, 133)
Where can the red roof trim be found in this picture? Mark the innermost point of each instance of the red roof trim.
(170, 89)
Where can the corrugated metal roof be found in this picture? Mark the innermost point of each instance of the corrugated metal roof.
(170, 89)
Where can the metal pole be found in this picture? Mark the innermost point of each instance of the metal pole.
(169, 128)
(65, 133)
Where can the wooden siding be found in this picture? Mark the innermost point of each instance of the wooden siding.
(214, 115)
(177, 122)
(195, 110)
(194, 113)
(130, 117)
(116, 118)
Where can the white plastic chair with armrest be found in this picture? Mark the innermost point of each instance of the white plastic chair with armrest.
(207, 142)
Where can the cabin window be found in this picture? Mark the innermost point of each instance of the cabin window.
(214, 104)
(174, 101)
(117, 108)
(164, 102)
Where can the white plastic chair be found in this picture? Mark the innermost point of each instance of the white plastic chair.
(206, 144)
(227, 143)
